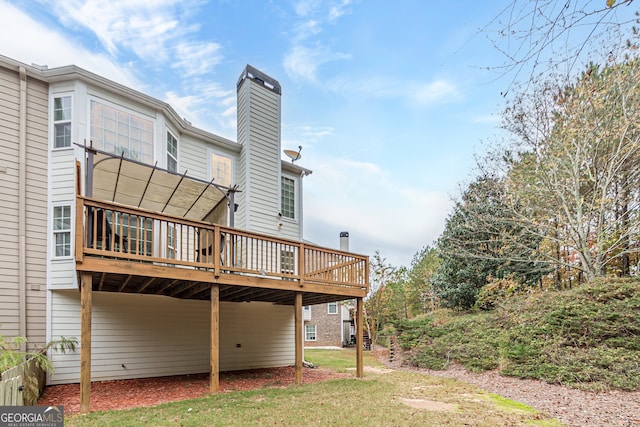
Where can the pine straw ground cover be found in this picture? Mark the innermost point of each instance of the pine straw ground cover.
(145, 392)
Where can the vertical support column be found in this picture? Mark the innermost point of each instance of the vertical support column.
(298, 332)
(85, 342)
(359, 341)
(215, 339)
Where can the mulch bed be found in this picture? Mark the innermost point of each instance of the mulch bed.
(144, 392)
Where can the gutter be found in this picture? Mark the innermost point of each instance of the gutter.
(22, 205)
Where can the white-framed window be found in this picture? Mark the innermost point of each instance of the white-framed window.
(62, 231)
(221, 168)
(310, 333)
(62, 121)
(287, 262)
(288, 197)
(171, 241)
(122, 132)
(306, 307)
(332, 308)
(172, 152)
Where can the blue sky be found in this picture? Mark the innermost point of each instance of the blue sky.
(391, 101)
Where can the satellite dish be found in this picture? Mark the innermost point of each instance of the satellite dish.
(293, 154)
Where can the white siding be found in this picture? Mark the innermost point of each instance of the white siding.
(159, 336)
(259, 132)
(265, 333)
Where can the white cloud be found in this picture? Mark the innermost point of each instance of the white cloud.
(39, 44)
(305, 8)
(339, 9)
(435, 92)
(364, 199)
(303, 62)
(195, 59)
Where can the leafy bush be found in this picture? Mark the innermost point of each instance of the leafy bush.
(588, 337)
(11, 355)
(496, 291)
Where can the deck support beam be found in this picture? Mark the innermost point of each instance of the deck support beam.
(215, 338)
(85, 342)
(359, 338)
(298, 340)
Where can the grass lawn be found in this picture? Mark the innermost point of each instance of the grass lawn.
(383, 397)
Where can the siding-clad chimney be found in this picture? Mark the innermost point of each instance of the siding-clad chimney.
(259, 121)
(344, 241)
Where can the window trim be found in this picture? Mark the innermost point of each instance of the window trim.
(210, 153)
(295, 198)
(306, 333)
(54, 232)
(169, 155)
(55, 122)
(332, 304)
(130, 111)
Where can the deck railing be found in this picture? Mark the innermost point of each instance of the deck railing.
(115, 231)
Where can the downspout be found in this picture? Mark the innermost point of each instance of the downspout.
(22, 205)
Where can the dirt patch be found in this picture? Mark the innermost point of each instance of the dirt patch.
(428, 405)
(571, 406)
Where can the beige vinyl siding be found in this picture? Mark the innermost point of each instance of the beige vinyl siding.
(159, 336)
(35, 206)
(9, 143)
(36, 210)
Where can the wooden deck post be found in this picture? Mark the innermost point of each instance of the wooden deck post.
(298, 340)
(215, 338)
(359, 341)
(85, 342)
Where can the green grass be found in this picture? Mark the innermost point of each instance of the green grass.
(587, 337)
(378, 399)
(338, 360)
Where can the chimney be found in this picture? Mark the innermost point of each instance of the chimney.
(344, 241)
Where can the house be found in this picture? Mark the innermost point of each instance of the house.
(330, 324)
(164, 248)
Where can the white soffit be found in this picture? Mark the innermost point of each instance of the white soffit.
(130, 183)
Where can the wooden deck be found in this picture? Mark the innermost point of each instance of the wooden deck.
(136, 251)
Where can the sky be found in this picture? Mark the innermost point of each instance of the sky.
(390, 101)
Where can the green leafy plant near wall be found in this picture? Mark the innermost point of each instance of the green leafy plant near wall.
(12, 354)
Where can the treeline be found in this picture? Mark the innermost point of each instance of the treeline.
(555, 205)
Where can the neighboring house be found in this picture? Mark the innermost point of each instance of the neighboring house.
(186, 247)
(328, 324)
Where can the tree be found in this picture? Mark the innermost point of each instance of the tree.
(542, 35)
(482, 239)
(420, 293)
(576, 177)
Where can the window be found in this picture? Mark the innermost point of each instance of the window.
(288, 198)
(310, 332)
(171, 241)
(120, 132)
(62, 122)
(62, 230)
(221, 169)
(306, 307)
(333, 308)
(137, 229)
(287, 262)
(172, 153)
